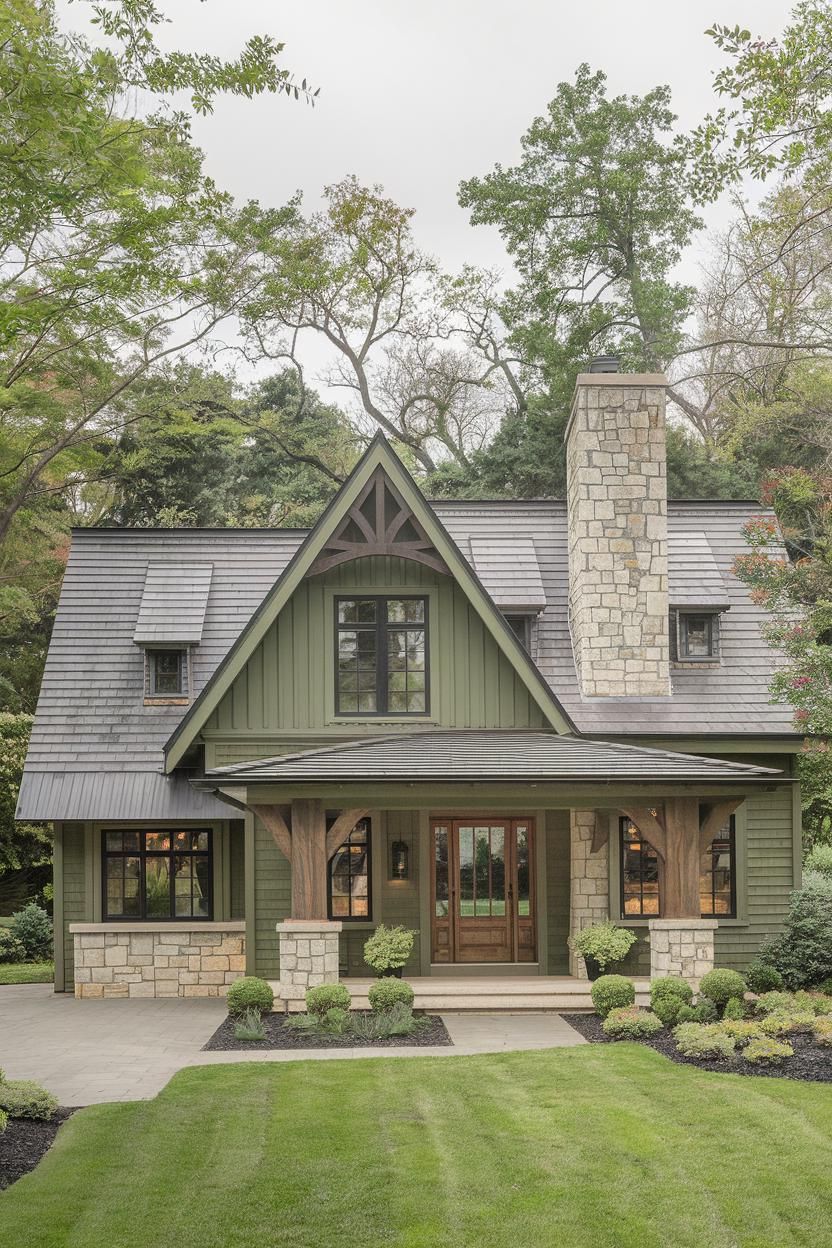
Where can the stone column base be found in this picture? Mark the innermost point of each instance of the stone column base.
(308, 957)
(683, 947)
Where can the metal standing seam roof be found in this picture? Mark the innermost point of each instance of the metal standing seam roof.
(508, 568)
(487, 755)
(172, 609)
(694, 580)
(91, 718)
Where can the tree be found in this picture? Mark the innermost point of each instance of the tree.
(414, 351)
(25, 848)
(116, 251)
(595, 216)
(797, 591)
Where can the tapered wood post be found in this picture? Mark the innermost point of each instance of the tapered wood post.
(309, 859)
(681, 866)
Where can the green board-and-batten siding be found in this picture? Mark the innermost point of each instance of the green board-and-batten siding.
(77, 906)
(288, 683)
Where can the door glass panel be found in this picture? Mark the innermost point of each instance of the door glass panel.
(523, 884)
(498, 871)
(482, 851)
(440, 838)
(466, 872)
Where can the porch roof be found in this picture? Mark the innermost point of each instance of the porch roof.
(490, 755)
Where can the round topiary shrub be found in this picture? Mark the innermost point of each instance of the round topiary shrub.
(327, 997)
(763, 978)
(21, 1098)
(249, 993)
(629, 1023)
(720, 985)
(386, 993)
(612, 992)
(667, 997)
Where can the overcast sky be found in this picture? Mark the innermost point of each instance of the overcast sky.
(417, 95)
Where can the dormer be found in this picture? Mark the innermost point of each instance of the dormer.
(698, 598)
(170, 623)
(509, 571)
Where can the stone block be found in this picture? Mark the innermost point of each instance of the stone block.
(212, 977)
(92, 957)
(214, 962)
(140, 943)
(115, 955)
(141, 990)
(102, 974)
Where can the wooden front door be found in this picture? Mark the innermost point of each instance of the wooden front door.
(482, 890)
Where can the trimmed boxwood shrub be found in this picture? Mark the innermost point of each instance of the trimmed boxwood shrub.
(21, 1098)
(720, 985)
(327, 997)
(733, 1009)
(667, 997)
(386, 993)
(767, 1050)
(630, 1023)
(612, 992)
(249, 993)
(763, 978)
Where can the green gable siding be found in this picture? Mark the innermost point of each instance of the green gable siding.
(288, 683)
(237, 870)
(76, 904)
(557, 890)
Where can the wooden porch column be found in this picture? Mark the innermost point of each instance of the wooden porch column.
(680, 830)
(304, 840)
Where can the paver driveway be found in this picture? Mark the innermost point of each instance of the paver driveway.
(91, 1051)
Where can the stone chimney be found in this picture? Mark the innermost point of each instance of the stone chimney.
(617, 515)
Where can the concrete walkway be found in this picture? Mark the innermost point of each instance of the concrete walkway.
(87, 1052)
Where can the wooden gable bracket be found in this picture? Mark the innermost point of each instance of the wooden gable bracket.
(379, 523)
(680, 831)
(305, 843)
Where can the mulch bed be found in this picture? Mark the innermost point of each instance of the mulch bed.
(24, 1142)
(279, 1036)
(810, 1062)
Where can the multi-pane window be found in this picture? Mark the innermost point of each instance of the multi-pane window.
(163, 874)
(166, 673)
(697, 636)
(641, 886)
(382, 666)
(349, 876)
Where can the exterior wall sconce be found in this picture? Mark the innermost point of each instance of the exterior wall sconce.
(399, 861)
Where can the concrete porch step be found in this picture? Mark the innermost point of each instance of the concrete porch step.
(487, 993)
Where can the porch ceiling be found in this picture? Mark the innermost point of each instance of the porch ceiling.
(466, 756)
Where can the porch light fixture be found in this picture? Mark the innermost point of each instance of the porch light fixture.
(399, 861)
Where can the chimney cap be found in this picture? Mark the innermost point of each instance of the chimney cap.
(605, 364)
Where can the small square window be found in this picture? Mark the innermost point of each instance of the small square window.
(166, 673)
(521, 626)
(697, 636)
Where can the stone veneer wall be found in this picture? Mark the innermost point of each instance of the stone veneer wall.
(617, 516)
(308, 957)
(157, 959)
(589, 881)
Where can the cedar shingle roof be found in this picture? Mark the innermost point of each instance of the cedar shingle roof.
(91, 718)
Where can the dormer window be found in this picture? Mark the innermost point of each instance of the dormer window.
(697, 637)
(166, 673)
(521, 626)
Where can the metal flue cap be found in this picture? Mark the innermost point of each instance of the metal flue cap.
(604, 364)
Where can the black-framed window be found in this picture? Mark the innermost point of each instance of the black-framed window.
(167, 673)
(350, 877)
(641, 885)
(698, 636)
(521, 626)
(381, 656)
(164, 873)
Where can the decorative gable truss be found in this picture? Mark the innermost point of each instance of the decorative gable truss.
(378, 510)
(379, 522)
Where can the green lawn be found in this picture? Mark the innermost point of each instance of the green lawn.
(27, 972)
(587, 1147)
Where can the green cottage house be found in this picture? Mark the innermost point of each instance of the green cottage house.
(493, 722)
